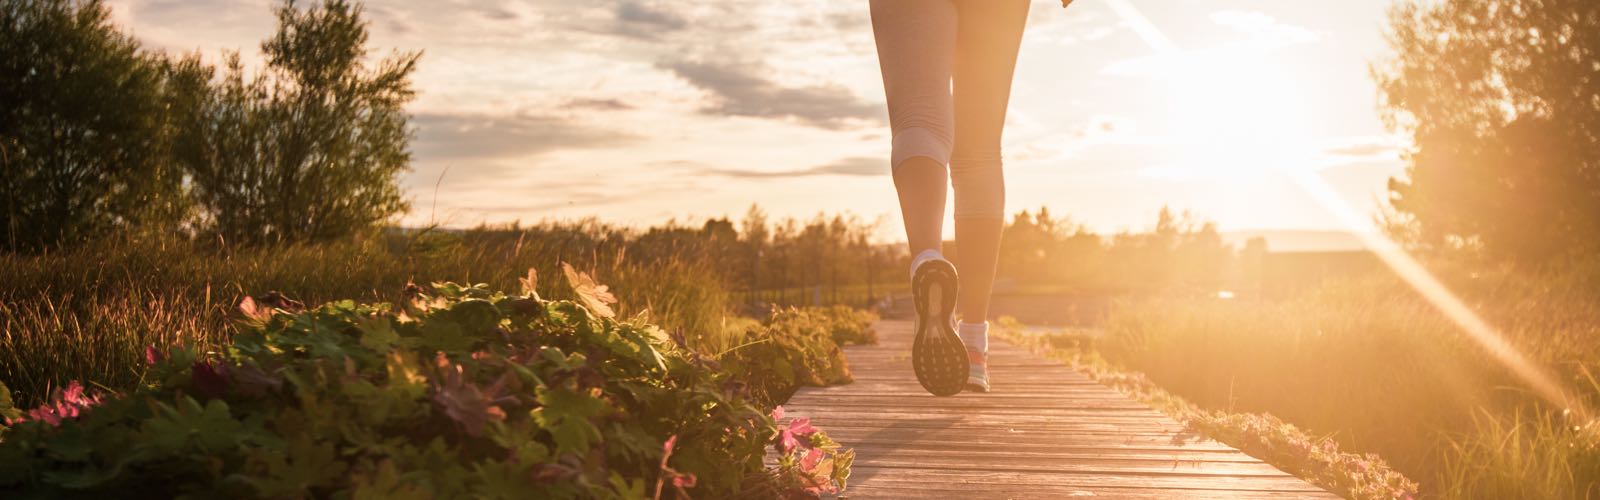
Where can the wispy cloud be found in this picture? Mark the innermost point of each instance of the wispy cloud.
(596, 104)
(1264, 29)
(446, 136)
(738, 89)
(1365, 147)
(854, 166)
(645, 21)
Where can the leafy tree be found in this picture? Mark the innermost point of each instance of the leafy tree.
(1502, 103)
(313, 148)
(83, 127)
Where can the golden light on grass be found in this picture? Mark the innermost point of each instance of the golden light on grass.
(1440, 296)
(1387, 250)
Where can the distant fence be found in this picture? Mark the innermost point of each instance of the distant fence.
(824, 295)
(1283, 273)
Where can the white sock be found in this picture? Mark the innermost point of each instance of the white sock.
(974, 335)
(924, 256)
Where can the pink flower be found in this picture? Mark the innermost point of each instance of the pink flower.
(153, 356)
(679, 479)
(810, 461)
(65, 404)
(820, 480)
(789, 438)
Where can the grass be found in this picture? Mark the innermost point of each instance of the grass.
(858, 295)
(1317, 459)
(89, 313)
(460, 391)
(1371, 364)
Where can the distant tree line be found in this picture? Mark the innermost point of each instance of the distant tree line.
(832, 259)
(1180, 252)
(99, 135)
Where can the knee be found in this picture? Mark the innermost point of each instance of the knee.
(979, 185)
(930, 142)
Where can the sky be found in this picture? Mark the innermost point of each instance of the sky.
(640, 112)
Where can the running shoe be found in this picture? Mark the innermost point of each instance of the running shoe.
(937, 355)
(977, 371)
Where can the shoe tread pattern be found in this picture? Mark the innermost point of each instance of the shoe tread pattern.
(937, 355)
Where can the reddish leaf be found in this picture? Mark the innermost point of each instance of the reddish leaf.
(462, 401)
(210, 381)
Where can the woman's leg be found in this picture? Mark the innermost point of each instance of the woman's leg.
(916, 52)
(988, 35)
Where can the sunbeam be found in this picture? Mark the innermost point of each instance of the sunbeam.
(1391, 253)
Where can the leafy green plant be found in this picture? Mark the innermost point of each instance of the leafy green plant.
(87, 313)
(457, 391)
(796, 347)
(850, 326)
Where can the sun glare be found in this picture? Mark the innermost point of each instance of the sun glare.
(1238, 115)
(1236, 103)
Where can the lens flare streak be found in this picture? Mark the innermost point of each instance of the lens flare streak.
(1392, 254)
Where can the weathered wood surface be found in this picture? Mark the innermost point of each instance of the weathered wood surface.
(1045, 431)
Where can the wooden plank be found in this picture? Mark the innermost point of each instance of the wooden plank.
(866, 474)
(1045, 430)
(1014, 491)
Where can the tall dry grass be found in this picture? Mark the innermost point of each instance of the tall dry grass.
(1368, 361)
(89, 313)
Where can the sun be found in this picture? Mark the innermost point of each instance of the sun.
(1237, 114)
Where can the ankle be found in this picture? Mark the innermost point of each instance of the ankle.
(974, 335)
(924, 256)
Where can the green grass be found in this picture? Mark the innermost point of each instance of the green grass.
(89, 313)
(1368, 362)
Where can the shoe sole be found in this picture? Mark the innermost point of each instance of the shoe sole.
(937, 355)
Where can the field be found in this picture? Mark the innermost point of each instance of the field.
(90, 312)
(1366, 361)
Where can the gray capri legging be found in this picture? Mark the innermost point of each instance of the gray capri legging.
(947, 63)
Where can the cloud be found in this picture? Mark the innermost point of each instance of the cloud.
(1366, 149)
(1264, 29)
(737, 90)
(1363, 151)
(476, 136)
(853, 166)
(633, 19)
(596, 104)
(640, 14)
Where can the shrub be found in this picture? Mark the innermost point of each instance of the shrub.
(795, 347)
(850, 326)
(83, 127)
(311, 149)
(461, 391)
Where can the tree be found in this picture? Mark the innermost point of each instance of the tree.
(1502, 103)
(754, 234)
(83, 127)
(313, 148)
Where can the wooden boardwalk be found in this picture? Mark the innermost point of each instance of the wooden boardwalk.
(1045, 431)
